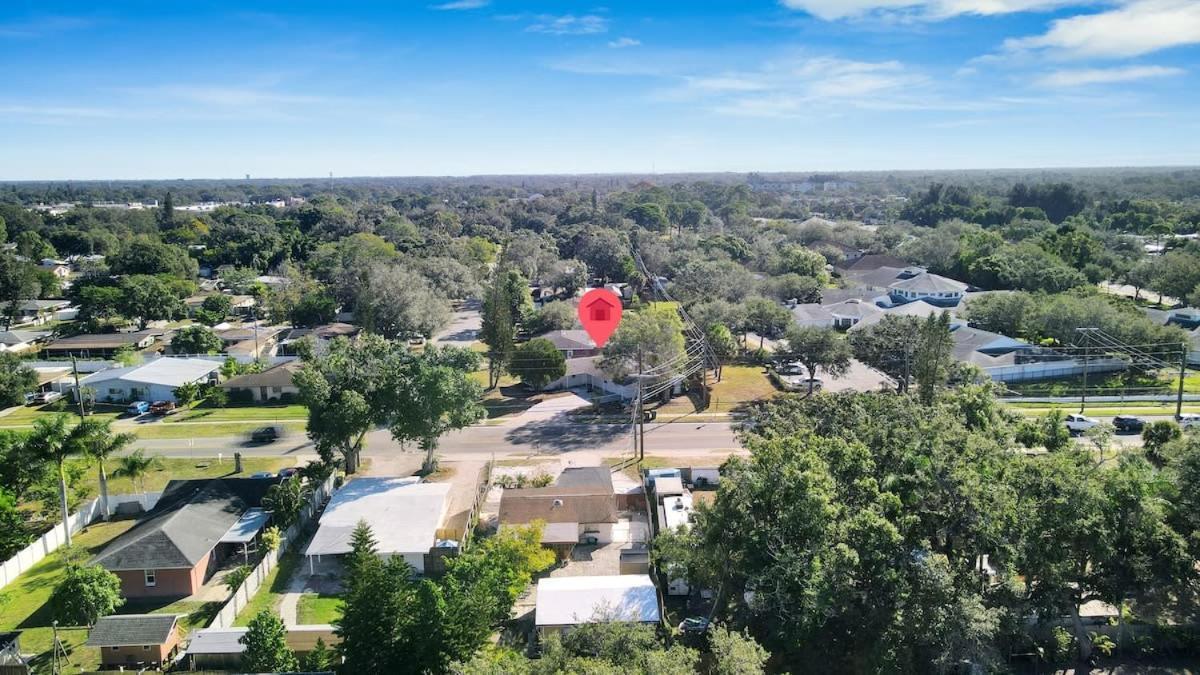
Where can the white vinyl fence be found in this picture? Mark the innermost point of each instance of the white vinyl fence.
(242, 596)
(48, 543)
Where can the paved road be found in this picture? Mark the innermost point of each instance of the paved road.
(544, 437)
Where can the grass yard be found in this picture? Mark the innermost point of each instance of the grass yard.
(318, 608)
(270, 594)
(265, 413)
(158, 430)
(176, 467)
(1102, 408)
(24, 603)
(739, 385)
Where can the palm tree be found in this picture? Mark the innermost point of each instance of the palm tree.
(100, 443)
(50, 441)
(135, 466)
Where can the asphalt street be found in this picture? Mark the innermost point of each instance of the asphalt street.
(539, 437)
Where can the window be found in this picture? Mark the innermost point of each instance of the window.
(145, 648)
(115, 649)
(151, 577)
(276, 390)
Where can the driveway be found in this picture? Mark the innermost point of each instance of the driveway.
(549, 408)
(464, 326)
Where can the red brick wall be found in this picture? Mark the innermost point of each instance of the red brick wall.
(170, 583)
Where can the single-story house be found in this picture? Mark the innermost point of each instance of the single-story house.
(585, 372)
(154, 380)
(36, 312)
(572, 343)
(100, 345)
(846, 253)
(321, 334)
(249, 340)
(932, 288)
(565, 602)
(135, 640)
(404, 515)
(917, 308)
(270, 384)
(59, 268)
(177, 545)
(847, 314)
(581, 497)
(812, 315)
(17, 341)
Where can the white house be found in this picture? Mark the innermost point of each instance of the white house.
(564, 602)
(932, 288)
(154, 380)
(585, 372)
(404, 515)
(21, 340)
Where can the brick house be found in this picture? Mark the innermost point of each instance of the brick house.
(177, 545)
(135, 640)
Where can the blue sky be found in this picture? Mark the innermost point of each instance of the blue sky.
(141, 89)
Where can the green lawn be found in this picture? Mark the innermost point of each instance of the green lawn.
(24, 603)
(203, 430)
(739, 385)
(270, 594)
(181, 468)
(241, 413)
(318, 609)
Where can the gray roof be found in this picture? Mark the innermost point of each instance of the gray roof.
(275, 376)
(186, 523)
(929, 283)
(811, 312)
(17, 337)
(103, 340)
(126, 630)
(569, 339)
(599, 477)
(853, 308)
(873, 277)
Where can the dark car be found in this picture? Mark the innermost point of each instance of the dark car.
(162, 407)
(1128, 425)
(268, 434)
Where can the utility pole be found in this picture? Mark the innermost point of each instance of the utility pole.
(1086, 345)
(78, 389)
(639, 443)
(1183, 353)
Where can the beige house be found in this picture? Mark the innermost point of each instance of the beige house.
(270, 384)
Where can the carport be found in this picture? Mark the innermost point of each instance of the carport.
(246, 530)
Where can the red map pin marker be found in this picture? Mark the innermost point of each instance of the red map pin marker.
(600, 314)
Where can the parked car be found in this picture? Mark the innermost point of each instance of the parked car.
(1189, 420)
(138, 408)
(589, 539)
(1128, 425)
(262, 474)
(267, 434)
(694, 625)
(162, 407)
(288, 472)
(46, 397)
(1078, 424)
(794, 368)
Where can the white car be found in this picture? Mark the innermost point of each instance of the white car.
(1079, 424)
(1190, 420)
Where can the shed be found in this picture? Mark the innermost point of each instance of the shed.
(128, 640)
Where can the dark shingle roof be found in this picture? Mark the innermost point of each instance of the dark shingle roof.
(186, 523)
(132, 629)
(599, 477)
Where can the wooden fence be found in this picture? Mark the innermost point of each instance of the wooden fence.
(241, 597)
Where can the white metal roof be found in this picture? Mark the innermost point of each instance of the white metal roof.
(676, 512)
(168, 372)
(217, 641)
(568, 601)
(404, 515)
(247, 527)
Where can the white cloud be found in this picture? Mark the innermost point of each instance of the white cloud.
(1086, 76)
(461, 5)
(623, 42)
(569, 24)
(831, 10)
(1139, 27)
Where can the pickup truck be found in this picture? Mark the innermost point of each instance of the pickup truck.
(1077, 424)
